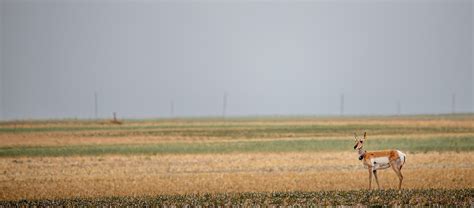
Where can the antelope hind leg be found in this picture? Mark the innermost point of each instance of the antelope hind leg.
(396, 167)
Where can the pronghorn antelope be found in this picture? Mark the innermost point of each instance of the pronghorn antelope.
(377, 160)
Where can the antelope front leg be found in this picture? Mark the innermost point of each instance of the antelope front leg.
(376, 179)
(370, 177)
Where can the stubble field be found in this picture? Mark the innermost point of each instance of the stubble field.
(244, 161)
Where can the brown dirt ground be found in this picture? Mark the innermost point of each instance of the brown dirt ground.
(92, 176)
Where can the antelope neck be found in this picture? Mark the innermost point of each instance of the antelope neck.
(361, 153)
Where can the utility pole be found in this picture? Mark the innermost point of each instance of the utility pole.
(453, 104)
(342, 104)
(398, 108)
(172, 109)
(224, 104)
(96, 105)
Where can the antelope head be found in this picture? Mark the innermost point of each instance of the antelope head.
(359, 143)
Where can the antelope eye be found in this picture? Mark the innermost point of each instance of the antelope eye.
(361, 141)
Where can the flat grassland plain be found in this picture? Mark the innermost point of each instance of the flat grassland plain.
(234, 161)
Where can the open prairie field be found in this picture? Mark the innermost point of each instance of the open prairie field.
(243, 161)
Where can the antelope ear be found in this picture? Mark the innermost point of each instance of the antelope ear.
(365, 135)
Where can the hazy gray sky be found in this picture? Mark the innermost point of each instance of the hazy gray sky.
(272, 58)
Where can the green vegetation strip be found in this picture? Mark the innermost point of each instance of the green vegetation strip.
(234, 130)
(409, 145)
(420, 197)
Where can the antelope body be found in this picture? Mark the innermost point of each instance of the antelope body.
(377, 160)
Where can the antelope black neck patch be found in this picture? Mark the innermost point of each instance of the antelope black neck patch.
(362, 156)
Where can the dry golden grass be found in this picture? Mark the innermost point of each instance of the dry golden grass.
(59, 177)
(120, 175)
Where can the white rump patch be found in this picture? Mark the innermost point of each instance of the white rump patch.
(402, 157)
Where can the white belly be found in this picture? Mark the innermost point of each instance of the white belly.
(380, 163)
